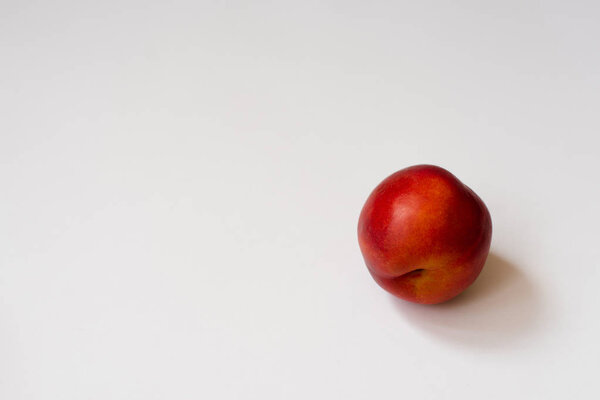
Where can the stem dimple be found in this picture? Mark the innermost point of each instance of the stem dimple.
(413, 274)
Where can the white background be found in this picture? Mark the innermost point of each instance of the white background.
(181, 182)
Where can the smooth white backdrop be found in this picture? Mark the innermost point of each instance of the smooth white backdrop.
(181, 181)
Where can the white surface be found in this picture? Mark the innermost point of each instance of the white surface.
(181, 184)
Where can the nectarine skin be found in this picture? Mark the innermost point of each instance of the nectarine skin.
(424, 235)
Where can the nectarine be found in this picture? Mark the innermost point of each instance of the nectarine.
(424, 235)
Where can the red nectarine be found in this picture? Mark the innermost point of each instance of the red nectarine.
(424, 235)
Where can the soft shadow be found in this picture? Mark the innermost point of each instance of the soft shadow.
(501, 307)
